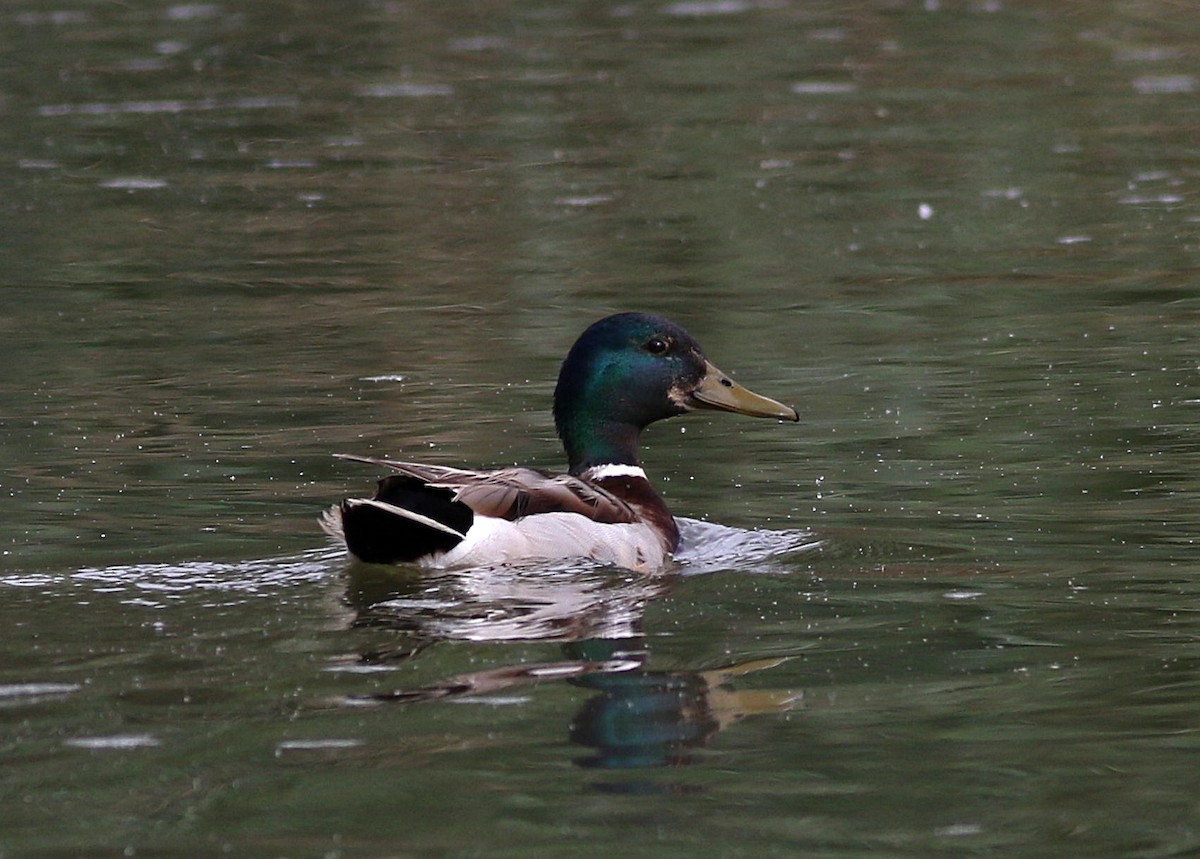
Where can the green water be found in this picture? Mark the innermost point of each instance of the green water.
(962, 238)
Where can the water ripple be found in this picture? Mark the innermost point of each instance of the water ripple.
(36, 690)
(254, 577)
(404, 90)
(708, 547)
(151, 583)
(119, 742)
(168, 106)
(1164, 84)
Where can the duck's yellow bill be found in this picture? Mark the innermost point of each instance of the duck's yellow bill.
(718, 391)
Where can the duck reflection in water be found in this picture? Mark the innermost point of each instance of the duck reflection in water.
(644, 718)
(639, 716)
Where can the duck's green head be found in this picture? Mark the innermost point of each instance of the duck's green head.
(629, 370)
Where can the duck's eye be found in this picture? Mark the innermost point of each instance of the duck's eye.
(657, 345)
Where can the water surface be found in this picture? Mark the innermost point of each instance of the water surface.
(951, 612)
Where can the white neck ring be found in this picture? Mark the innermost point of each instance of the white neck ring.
(600, 472)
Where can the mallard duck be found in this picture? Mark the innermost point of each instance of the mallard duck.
(624, 373)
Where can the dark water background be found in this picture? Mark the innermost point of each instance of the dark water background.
(961, 237)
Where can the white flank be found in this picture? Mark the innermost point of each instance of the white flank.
(551, 537)
(602, 471)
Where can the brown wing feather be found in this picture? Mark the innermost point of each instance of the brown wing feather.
(515, 492)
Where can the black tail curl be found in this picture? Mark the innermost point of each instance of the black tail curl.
(379, 536)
